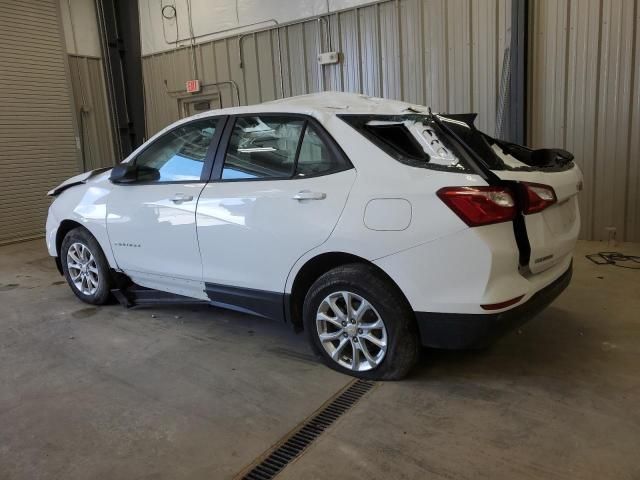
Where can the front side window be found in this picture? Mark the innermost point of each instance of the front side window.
(179, 155)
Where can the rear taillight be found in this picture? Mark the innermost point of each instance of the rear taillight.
(479, 205)
(537, 197)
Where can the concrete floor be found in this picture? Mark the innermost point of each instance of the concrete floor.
(194, 393)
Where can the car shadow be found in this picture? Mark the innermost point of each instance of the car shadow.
(556, 342)
(210, 324)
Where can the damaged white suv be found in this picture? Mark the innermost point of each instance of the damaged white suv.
(374, 225)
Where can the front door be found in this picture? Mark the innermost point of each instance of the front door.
(152, 225)
(280, 189)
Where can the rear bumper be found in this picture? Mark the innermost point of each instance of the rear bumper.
(467, 330)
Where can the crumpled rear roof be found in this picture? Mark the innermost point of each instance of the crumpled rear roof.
(345, 103)
(325, 103)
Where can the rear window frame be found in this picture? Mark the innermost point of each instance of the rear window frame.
(358, 122)
(471, 160)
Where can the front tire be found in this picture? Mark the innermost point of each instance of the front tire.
(360, 324)
(85, 267)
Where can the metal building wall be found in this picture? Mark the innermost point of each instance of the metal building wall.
(443, 53)
(37, 132)
(585, 97)
(91, 111)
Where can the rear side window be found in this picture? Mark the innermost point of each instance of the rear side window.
(262, 147)
(315, 156)
(412, 139)
(397, 137)
(274, 147)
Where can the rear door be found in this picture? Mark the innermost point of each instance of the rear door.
(279, 186)
(548, 186)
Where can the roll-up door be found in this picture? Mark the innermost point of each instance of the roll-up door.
(38, 147)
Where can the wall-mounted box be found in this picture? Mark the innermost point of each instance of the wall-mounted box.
(327, 58)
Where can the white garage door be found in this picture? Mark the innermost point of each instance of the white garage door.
(37, 136)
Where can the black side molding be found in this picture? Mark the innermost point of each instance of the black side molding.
(262, 303)
(137, 296)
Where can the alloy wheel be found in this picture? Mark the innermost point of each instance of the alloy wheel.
(351, 331)
(83, 269)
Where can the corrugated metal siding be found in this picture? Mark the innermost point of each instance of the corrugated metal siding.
(585, 97)
(443, 53)
(91, 110)
(37, 133)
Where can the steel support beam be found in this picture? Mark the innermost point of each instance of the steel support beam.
(516, 125)
(120, 38)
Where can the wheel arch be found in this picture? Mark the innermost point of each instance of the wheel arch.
(66, 226)
(313, 269)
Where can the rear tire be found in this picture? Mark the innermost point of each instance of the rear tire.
(360, 324)
(85, 267)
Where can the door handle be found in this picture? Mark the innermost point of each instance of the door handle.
(307, 195)
(181, 197)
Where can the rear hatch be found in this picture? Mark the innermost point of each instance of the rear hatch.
(546, 183)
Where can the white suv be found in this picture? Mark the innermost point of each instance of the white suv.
(372, 224)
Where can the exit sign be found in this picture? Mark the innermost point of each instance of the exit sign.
(193, 86)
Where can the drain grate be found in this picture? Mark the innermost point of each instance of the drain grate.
(299, 439)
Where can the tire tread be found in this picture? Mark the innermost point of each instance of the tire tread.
(404, 348)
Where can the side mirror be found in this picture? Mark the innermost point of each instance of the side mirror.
(123, 173)
(128, 173)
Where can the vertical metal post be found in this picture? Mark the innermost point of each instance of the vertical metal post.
(120, 38)
(516, 125)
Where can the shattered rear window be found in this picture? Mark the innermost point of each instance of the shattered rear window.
(498, 154)
(452, 143)
(412, 139)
